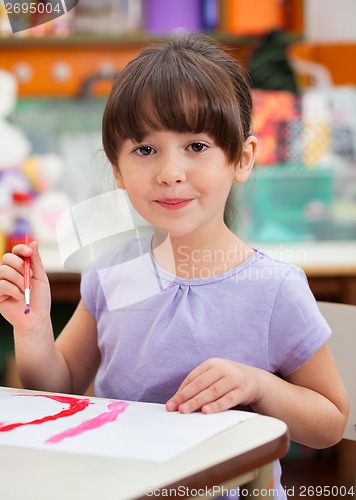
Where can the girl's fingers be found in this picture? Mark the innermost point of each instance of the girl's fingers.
(21, 251)
(11, 279)
(12, 270)
(204, 388)
(199, 370)
(226, 402)
(11, 274)
(9, 289)
(215, 391)
(215, 385)
(191, 386)
(206, 366)
(12, 260)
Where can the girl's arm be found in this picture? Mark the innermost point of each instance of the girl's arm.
(43, 364)
(78, 345)
(67, 365)
(312, 400)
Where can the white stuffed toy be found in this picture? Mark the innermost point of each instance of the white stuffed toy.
(22, 172)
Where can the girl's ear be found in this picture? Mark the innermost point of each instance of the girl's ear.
(118, 177)
(247, 162)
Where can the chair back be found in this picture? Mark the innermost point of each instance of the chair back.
(342, 321)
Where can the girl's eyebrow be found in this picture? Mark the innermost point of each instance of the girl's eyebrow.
(135, 142)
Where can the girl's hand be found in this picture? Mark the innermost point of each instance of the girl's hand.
(217, 385)
(12, 302)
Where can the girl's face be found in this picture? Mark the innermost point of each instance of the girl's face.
(180, 181)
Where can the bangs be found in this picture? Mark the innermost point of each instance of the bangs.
(168, 103)
(163, 90)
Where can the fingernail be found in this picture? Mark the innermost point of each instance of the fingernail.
(184, 408)
(171, 406)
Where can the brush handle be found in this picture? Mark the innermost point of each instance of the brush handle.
(27, 266)
(27, 273)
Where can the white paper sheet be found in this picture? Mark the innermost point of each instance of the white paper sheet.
(112, 428)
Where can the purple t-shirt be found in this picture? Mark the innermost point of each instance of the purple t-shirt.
(154, 328)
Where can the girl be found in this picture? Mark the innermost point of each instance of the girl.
(230, 326)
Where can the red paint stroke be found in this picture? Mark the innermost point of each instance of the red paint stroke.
(75, 406)
(115, 408)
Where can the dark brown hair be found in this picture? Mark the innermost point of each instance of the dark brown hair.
(186, 84)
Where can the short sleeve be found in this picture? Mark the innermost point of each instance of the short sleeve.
(297, 328)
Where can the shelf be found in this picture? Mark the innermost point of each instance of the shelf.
(58, 66)
(139, 38)
(83, 39)
(335, 57)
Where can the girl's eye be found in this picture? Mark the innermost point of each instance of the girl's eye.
(197, 147)
(144, 151)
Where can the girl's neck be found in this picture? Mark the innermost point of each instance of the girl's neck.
(192, 257)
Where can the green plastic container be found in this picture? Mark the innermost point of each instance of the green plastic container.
(281, 203)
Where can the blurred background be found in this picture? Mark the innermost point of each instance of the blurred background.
(300, 203)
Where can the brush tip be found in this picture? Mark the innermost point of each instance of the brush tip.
(27, 309)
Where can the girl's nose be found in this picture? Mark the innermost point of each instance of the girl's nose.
(171, 170)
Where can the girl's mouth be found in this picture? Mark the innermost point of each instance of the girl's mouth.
(173, 203)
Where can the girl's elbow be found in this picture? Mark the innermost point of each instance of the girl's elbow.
(344, 415)
(336, 430)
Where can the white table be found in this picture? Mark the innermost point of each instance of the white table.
(241, 455)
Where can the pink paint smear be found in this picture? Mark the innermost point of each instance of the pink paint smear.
(75, 405)
(115, 409)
